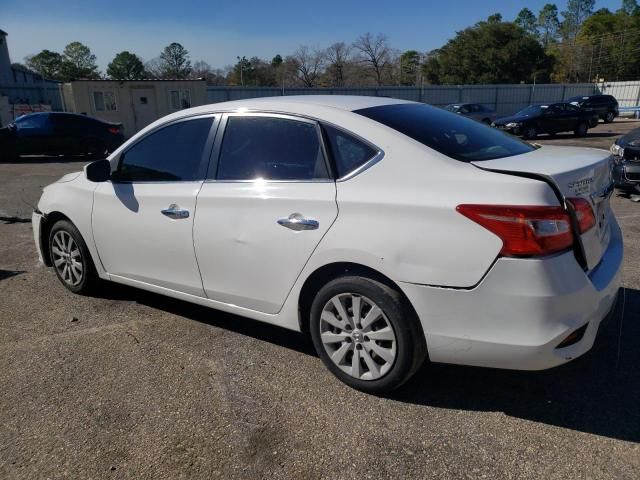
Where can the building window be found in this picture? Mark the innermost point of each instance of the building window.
(179, 99)
(105, 101)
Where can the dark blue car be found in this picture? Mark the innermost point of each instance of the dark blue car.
(57, 133)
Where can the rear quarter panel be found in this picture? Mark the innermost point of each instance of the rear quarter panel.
(399, 216)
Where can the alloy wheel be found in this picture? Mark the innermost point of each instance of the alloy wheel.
(357, 336)
(67, 258)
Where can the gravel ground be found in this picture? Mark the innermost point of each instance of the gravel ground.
(134, 385)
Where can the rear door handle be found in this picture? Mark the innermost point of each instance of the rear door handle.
(175, 212)
(298, 222)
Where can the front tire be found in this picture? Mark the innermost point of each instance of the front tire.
(581, 130)
(366, 334)
(70, 258)
(530, 133)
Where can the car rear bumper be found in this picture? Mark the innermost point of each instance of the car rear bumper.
(521, 311)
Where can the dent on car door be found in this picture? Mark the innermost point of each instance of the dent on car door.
(265, 207)
(143, 218)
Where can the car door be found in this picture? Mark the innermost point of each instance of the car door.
(553, 119)
(263, 209)
(143, 218)
(33, 134)
(573, 116)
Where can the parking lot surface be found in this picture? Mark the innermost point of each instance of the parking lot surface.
(129, 384)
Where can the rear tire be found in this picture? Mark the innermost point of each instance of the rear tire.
(71, 259)
(529, 133)
(609, 117)
(8, 154)
(581, 130)
(378, 346)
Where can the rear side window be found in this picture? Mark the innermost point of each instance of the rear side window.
(453, 135)
(173, 153)
(348, 152)
(33, 122)
(271, 148)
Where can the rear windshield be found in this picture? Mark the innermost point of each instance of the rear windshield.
(450, 134)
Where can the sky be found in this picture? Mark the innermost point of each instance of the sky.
(218, 31)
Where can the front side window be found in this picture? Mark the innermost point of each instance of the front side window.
(180, 99)
(105, 101)
(452, 135)
(348, 152)
(173, 153)
(271, 148)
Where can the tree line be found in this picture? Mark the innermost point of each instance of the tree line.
(576, 44)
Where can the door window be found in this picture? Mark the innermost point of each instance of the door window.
(348, 152)
(173, 153)
(271, 148)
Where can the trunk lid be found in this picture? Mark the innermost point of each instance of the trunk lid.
(573, 172)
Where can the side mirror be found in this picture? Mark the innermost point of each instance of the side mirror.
(98, 171)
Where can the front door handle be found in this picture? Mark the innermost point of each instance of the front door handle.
(298, 222)
(175, 212)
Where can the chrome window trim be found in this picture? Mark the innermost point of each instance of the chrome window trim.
(238, 111)
(365, 166)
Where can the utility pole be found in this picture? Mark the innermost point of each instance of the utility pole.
(593, 47)
(241, 60)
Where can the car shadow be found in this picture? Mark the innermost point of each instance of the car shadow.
(565, 136)
(27, 159)
(598, 393)
(14, 219)
(245, 326)
(4, 274)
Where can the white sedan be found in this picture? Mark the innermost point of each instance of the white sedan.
(390, 231)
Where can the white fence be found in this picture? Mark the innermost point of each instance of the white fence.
(505, 99)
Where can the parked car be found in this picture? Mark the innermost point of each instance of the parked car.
(604, 106)
(473, 110)
(626, 154)
(57, 133)
(390, 231)
(551, 119)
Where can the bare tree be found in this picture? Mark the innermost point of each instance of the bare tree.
(153, 68)
(200, 69)
(308, 64)
(337, 56)
(374, 52)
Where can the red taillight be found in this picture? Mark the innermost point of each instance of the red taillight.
(114, 130)
(584, 213)
(524, 230)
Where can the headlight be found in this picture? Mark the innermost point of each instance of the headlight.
(513, 125)
(617, 150)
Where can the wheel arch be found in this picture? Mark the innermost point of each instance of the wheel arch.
(324, 274)
(47, 222)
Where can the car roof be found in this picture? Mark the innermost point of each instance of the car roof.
(293, 102)
(58, 114)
